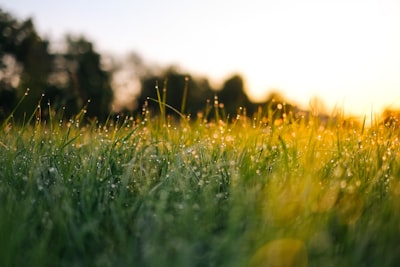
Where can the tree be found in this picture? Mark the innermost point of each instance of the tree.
(78, 79)
(277, 109)
(69, 78)
(128, 72)
(25, 62)
(177, 86)
(233, 96)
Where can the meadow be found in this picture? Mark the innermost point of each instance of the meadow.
(151, 190)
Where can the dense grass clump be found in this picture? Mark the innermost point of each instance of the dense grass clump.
(149, 191)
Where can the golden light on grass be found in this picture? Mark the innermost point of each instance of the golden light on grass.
(284, 202)
(281, 253)
(395, 190)
(349, 208)
(324, 199)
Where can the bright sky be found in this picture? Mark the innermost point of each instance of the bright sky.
(346, 52)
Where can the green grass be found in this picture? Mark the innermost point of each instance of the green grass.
(150, 191)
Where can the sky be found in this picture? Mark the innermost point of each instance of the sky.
(344, 52)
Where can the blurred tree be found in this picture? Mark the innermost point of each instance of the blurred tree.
(87, 81)
(9, 80)
(233, 96)
(276, 108)
(24, 62)
(128, 72)
(69, 78)
(173, 83)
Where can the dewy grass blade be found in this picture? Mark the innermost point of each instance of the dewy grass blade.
(208, 193)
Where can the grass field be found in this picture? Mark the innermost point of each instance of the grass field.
(152, 191)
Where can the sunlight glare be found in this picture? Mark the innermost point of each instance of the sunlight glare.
(334, 51)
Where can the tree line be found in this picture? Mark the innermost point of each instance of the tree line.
(75, 74)
(67, 78)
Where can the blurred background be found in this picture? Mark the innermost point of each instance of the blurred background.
(308, 53)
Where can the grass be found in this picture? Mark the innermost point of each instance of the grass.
(150, 191)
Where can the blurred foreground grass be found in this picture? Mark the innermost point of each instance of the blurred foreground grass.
(146, 191)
